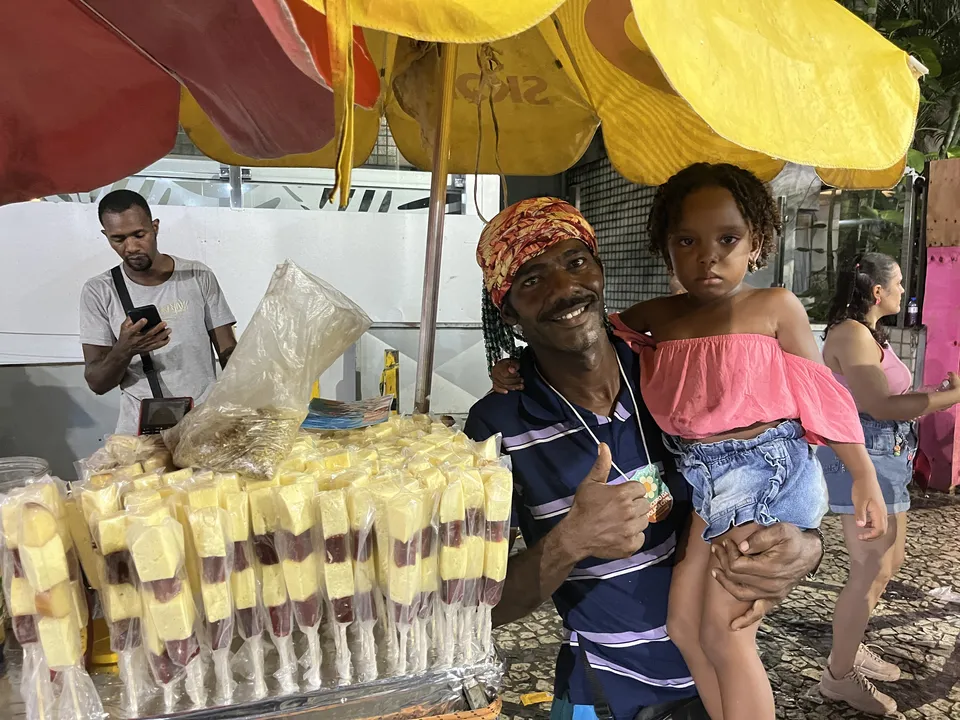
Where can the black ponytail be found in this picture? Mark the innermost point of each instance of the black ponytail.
(854, 294)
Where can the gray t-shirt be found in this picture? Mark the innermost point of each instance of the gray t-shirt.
(191, 304)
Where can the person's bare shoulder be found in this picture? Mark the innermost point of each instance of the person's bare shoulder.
(644, 316)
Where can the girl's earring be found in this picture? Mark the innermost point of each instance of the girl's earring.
(877, 302)
(752, 266)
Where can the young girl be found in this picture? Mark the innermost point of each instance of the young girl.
(733, 376)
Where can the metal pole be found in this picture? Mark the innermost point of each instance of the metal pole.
(782, 244)
(907, 249)
(236, 186)
(438, 204)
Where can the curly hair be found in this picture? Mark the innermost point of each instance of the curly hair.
(854, 294)
(754, 201)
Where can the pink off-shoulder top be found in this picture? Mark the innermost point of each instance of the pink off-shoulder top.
(708, 386)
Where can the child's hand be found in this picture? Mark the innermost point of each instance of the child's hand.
(506, 376)
(871, 510)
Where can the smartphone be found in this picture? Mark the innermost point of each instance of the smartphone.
(149, 312)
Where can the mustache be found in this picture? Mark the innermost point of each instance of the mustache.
(565, 305)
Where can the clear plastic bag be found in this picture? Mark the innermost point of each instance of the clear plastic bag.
(209, 528)
(405, 526)
(52, 571)
(298, 538)
(453, 570)
(339, 573)
(360, 506)
(170, 620)
(244, 586)
(250, 420)
(474, 499)
(498, 487)
(278, 611)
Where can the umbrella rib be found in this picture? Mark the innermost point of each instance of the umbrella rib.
(126, 37)
(573, 62)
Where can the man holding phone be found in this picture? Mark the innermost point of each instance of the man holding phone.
(175, 317)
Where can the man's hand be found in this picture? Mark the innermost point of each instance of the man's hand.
(606, 521)
(133, 341)
(766, 567)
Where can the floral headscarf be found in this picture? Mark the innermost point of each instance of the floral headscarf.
(523, 231)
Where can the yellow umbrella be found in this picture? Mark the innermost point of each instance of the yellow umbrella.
(520, 87)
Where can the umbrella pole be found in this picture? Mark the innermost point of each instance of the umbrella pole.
(438, 206)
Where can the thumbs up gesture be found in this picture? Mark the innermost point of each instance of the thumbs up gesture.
(606, 521)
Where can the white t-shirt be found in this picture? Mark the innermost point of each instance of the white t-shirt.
(191, 304)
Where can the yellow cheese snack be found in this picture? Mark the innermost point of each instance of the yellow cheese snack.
(94, 502)
(22, 598)
(150, 636)
(147, 481)
(495, 559)
(404, 583)
(295, 508)
(404, 518)
(160, 461)
(55, 602)
(340, 460)
(157, 552)
(203, 496)
(339, 579)
(475, 555)
(45, 566)
(228, 482)
(487, 450)
(365, 575)
(301, 578)
(452, 508)
(173, 620)
(498, 486)
(83, 542)
(60, 640)
(453, 562)
(112, 533)
(216, 601)
(120, 602)
(209, 537)
(101, 480)
(177, 476)
(38, 525)
(274, 588)
(238, 511)
(10, 520)
(263, 510)
(140, 499)
(244, 586)
(333, 513)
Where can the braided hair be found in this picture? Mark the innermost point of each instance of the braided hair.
(499, 339)
(754, 202)
(854, 293)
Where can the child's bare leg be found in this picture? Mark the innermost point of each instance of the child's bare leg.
(685, 613)
(744, 686)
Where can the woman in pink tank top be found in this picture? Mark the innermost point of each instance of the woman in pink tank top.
(733, 376)
(857, 352)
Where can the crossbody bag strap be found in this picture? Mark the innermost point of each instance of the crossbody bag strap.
(149, 369)
(600, 705)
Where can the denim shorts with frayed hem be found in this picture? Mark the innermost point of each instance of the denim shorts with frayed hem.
(774, 477)
(891, 446)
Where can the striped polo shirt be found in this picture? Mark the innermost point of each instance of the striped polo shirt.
(614, 612)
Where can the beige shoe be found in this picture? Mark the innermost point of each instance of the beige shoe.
(858, 692)
(875, 667)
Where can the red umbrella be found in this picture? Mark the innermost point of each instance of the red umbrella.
(91, 88)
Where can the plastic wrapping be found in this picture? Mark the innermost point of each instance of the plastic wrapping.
(127, 455)
(244, 585)
(209, 528)
(339, 574)
(435, 693)
(405, 527)
(278, 612)
(361, 508)
(52, 571)
(453, 570)
(427, 632)
(382, 491)
(474, 500)
(498, 488)
(298, 540)
(250, 419)
(170, 624)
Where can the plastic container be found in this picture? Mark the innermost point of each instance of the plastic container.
(18, 471)
(913, 313)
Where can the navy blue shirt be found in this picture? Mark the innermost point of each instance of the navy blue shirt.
(615, 612)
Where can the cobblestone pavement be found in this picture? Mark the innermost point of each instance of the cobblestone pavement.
(910, 628)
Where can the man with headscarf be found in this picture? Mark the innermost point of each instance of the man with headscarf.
(574, 433)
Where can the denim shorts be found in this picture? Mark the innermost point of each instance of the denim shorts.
(774, 477)
(891, 446)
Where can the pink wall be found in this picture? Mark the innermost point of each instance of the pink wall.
(940, 433)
